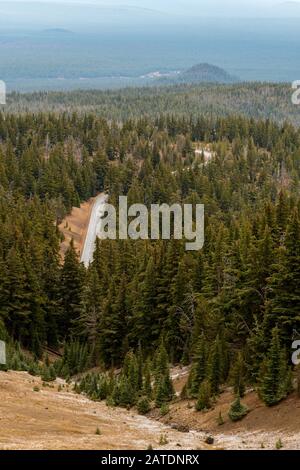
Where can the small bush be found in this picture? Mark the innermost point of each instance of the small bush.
(110, 402)
(220, 419)
(163, 440)
(237, 410)
(279, 444)
(143, 405)
(98, 432)
(48, 374)
(164, 409)
(33, 369)
(36, 388)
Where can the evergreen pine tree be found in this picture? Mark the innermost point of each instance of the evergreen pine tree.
(199, 367)
(72, 278)
(147, 385)
(164, 390)
(204, 396)
(274, 378)
(238, 376)
(283, 308)
(237, 410)
(215, 371)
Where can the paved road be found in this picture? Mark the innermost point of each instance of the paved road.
(95, 220)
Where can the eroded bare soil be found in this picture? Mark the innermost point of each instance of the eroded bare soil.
(260, 429)
(74, 226)
(52, 419)
(33, 416)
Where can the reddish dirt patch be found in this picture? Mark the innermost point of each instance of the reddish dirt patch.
(75, 226)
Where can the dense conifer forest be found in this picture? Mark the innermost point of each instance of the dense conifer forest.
(229, 310)
(254, 100)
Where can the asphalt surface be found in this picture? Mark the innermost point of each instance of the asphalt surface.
(95, 222)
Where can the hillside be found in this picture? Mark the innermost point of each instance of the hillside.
(255, 100)
(35, 417)
(74, 227)
(204, 73)
(260, 429)
(52, 416)
(144, 306)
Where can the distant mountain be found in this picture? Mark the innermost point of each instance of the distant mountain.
(201, 73)
(58, 30)
(206, 73)
(61, 31)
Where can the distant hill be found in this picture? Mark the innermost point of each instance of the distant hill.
(57, 31)
(199, 73)
(202, 73)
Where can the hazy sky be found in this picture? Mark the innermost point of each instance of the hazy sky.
(192, 7)
(249, 38)
(134, 14)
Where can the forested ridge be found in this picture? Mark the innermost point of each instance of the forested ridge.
(230, 309)
(254, 100)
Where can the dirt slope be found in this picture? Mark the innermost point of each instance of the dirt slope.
(75, 226)
(52, 419)
(48, 419)
(261, 428)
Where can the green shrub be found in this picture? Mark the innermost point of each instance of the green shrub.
(143, 405)
(279, 444)
(33, 369)
(164, 409)
(220, 419)
(237, 410)
(110, 401)
(204, 397)
(163, 440)
(48, 374)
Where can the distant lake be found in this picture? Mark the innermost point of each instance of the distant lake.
(258, 49)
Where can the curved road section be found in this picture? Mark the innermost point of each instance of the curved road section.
(95, 220)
